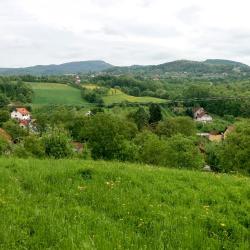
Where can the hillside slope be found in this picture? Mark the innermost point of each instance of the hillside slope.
(75, 204)
(66, 68)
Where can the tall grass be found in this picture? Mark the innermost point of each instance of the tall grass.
(74, 204)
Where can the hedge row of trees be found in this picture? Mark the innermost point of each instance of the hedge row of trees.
(14, 92)
(141, 137)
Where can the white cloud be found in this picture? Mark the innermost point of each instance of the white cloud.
(122, 32)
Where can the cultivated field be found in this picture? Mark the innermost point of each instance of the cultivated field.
(55, 93)
(117, 96)
(75, 204)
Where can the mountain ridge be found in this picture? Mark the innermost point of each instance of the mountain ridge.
(59, 69)
(209, 66)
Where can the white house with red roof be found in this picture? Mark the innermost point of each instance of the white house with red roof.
(21, 114)
(200, 115)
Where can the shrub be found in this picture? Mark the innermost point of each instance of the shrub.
(17, 133)
(35, 146)
(151, 149)
(4, 146)
(106, 134)
(57, 144)
(181, 152)
(177, 125)
(235, 150)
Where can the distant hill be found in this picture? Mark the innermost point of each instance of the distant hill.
(225, 62)
(53, 69)
(208, 68)
(211, 66)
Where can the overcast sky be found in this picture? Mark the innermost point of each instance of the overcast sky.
(122, 32)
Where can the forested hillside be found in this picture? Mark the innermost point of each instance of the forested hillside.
(182, 68)
(66, 68)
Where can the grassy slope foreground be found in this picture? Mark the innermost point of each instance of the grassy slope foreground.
(55, 93)
(73, 204)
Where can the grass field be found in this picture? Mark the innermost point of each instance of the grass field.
(74, 204)
(117, 96)
(54, 93)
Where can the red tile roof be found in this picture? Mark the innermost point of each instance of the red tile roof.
(23, 111)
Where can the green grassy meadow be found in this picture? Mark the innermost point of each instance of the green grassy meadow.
(117, 96)
(57, 94)
(76, 204)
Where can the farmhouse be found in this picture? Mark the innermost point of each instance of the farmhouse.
(21, 114)
(77, 80)
(200, 115)
(228, 131)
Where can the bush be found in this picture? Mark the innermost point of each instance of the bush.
(57, 144)
(35, 146)
(17, 133)
(151, 149)
(4, 116)
(4, 146)
(235, 152)
(213, 151)
(182, 152)
(106, 134)
(177, 125)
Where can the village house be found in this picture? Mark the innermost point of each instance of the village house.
(77, 80)
(217, 137)
(89, 113)
(21, 114)
(77, 147)
(228, 131)
(200, 115)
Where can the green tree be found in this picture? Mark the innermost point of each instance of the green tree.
(4, 116)
(236, 149)
(4, 100)
(181, 152)
(176, 125)
(141, 118)
(151, 149)
(106, 135)
(155, 114)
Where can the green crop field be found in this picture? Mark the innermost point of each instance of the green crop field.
(117, 96)
(55, 93)
(76, 204)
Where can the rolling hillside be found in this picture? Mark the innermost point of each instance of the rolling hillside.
(75, 204)
(66, 68)
(62, 94)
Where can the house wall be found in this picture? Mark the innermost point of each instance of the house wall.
(19, 116)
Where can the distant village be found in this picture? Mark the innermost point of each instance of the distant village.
(200, 115)
(24, 118)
